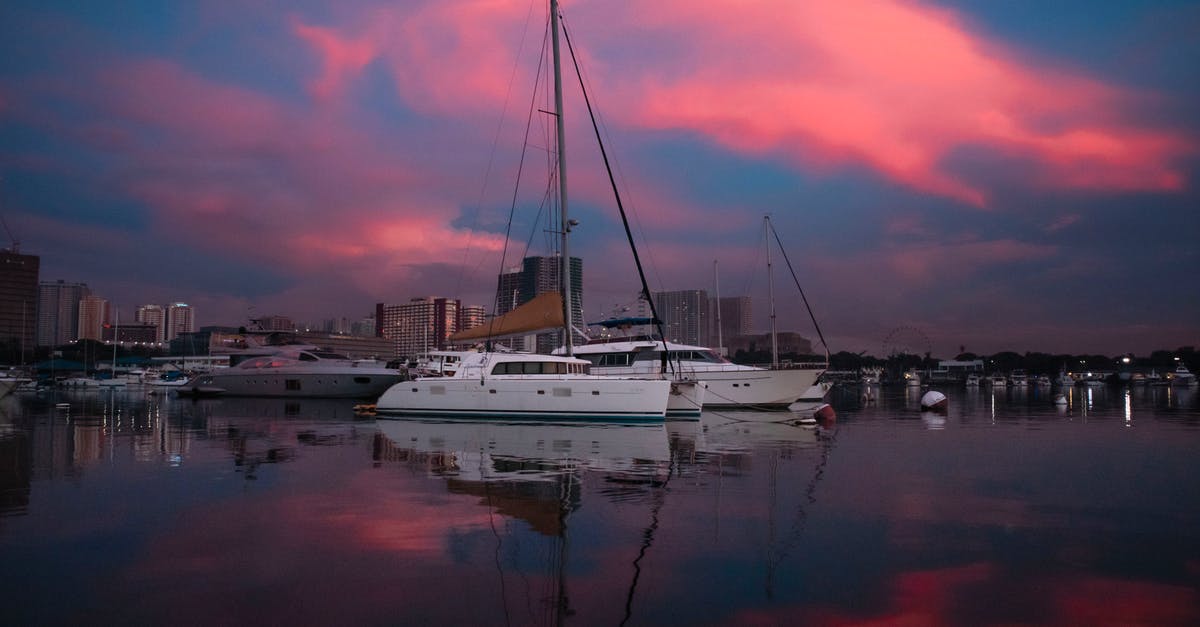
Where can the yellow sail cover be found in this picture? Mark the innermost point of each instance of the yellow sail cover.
(543, 312)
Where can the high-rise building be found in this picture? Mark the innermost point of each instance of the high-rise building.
(735, 318)
(155, 316)
(420, 325)
(367, 327)
(276, 323)
(58, 312)
(181, 318)
(534, 277)
(18, 303)
(94, 313)
(471, 316)
(685, 316)
(336, 326)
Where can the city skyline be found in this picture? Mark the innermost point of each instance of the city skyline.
(1001, 176)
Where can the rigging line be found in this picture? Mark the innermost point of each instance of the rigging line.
(520, 168)
(801, 519)
(616, 194)
(641, 230)
(797, 281)
(487, 487)
(492, 155)
(647, 540)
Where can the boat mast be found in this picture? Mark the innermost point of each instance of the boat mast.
(771, 292)
(116, 334)
(565, 273)
(717, 289)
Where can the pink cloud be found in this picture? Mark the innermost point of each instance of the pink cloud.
(896, 85)
(340, 59)
(899, 86)
(235, 170)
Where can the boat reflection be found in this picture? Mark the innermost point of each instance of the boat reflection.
(742, 431)
(483, 450)
(535, 472)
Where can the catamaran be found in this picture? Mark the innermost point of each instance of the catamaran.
(509, 385)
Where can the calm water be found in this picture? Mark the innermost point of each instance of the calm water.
(136, 509)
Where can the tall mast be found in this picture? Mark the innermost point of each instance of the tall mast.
(565, 273)
(771, 292)
(717, 289)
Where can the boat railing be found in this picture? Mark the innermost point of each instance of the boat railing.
(794, 365)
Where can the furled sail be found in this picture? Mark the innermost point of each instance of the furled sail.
(543, 312)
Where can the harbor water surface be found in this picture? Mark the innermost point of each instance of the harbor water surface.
(123, 507)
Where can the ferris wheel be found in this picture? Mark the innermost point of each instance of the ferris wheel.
(906, 340)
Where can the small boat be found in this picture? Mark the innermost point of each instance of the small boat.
(1018, 378)
(997, 381)
(972, 380)
(911, 378)
(1183, 376)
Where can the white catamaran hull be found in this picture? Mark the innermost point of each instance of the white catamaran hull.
(534, 397)
(686, 399)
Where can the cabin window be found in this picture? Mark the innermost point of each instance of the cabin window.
(614, 359)
(541, 392)
(291, 384)
(491, 391)
(307, 357)
(533, 367)
(595, 392)
(362, 379)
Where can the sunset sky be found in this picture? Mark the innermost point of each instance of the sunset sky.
(1016, 175)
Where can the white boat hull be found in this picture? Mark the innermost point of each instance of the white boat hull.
(350, 383)
(686, 399)
(544, 397)
(757, 389)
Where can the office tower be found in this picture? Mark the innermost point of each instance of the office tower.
(94, 313)
(155, 316)
(685, 316)
(181, 318)
(18, 304)
(471, 316)
(534, 277)
(58, 312)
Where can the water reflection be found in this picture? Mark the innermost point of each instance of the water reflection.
(274, 510)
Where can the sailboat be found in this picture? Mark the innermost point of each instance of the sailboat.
(725, 385)
(113, 381)
(526, 386)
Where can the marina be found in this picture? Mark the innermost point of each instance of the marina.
(151, 507)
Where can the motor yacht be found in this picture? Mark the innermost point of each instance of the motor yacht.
(726, 385)
(303, 373)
